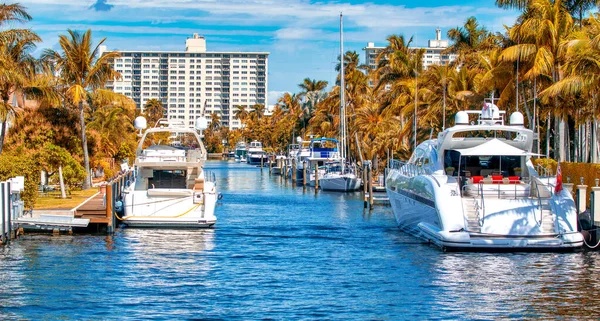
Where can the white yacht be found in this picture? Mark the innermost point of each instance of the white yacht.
(302, 155)
(170, 187)
(475, 188)
(256, 153)
(323, 151)
(241, 152)
(339, 176)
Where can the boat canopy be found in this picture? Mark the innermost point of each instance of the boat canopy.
(494, 147)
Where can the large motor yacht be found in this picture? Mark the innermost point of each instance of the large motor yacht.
(170, 187)
(256, 154)
(475, 188)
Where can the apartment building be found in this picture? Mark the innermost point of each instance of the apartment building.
(195, 82)
(433, 54)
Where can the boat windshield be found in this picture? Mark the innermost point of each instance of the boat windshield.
(183, 141)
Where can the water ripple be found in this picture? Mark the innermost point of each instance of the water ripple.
(282, 252)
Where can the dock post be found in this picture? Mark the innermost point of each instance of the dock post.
(293, 173)
(365, 164)
(304, 171)
(370, 180)
(595, 208)
(2, 193)
(284, 168)
(10, 210)
(270, 164)
(581, 197)
(262, 161)
(109, 207)
(317, 177)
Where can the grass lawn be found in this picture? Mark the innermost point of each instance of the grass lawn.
(53, 201)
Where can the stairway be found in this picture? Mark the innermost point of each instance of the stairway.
(548, 224)
(471, 207)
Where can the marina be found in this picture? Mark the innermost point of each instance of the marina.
(266, 170)
(264, 260)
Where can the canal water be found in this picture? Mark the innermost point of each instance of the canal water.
(282, 252)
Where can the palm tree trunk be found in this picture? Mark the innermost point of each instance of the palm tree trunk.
(62, 182)
(3, 134)
(86, 159)
(548, 135)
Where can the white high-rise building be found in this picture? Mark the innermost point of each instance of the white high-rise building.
(433, 54)
(195, 82)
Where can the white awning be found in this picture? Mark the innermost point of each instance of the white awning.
(494, 147)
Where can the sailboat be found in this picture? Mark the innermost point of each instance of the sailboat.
(341, 177)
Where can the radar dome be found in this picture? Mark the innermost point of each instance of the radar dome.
(140, 123)
(201, 123)
(461, 118)
(516, 119)
(299, 140)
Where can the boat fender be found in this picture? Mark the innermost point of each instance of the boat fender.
(220, 196)
(119, 207)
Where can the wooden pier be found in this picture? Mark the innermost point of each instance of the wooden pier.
(97, 210)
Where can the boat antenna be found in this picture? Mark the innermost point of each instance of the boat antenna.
(445, 70)
(342, 89)
(517, 80)
(416, 89)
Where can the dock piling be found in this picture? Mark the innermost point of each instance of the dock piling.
(365, 165)
(4, 208)
(304, 171)
(316, 177)
(293, 173)
(370, 180)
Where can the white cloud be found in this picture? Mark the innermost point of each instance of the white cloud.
(272, 98)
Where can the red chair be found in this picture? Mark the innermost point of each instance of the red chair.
(497, 179)
(477, 179)
(513, 179)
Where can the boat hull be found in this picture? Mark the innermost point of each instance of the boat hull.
(340, 183)
(170, 208)
(256, 160)
(421, 219)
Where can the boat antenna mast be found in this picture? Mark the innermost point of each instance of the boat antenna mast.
(342, 103)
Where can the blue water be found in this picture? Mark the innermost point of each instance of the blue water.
(282, 252)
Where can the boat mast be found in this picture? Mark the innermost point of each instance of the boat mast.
(342, 104)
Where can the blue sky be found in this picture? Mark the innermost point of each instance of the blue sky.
(301, 36)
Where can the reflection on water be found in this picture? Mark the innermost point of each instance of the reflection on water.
(280, 251)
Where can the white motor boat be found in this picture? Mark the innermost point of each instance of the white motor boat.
(475, 188)
(240, 152)
(322, 151)
(170, 187)
(339, 179)
(256, 154)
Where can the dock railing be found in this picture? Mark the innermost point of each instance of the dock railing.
(11, 207)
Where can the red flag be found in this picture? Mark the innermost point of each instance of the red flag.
(558, 186)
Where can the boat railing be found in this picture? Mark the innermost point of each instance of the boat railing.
(325, 154)
(409, 169)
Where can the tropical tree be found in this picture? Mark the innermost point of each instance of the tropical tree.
(154, 110)
(82, 70)
(15, 48)
(240, 112)
(538, 37)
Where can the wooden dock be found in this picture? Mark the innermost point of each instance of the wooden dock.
(97, 210)
(94, 209)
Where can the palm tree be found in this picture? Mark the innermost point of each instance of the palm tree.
(311, 95)
(538, 39)
(15, 48)
(82, 70)
(215, 122)
(154, 110)
(241, 113)
(468, 41)
(259, 110)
